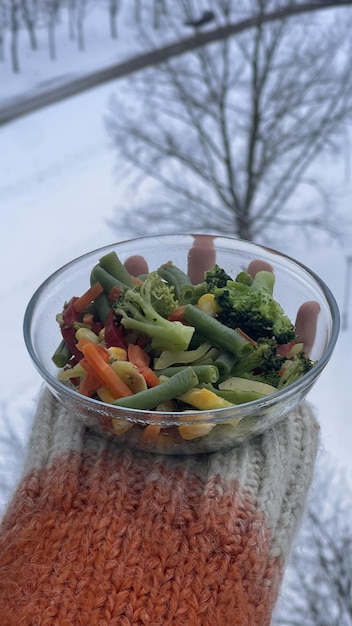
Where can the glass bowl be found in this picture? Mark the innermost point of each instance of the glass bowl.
(294, 285)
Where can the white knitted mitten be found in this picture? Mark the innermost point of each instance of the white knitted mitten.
(99, 536)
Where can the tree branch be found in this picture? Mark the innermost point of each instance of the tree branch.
(15, 109)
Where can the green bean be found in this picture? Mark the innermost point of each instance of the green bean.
(102, 303)
(112, 264)
(217, 333)
(236, 396)
(206, 373)
(102, 307)
(190, 294)
(225, 362)
(168, 390)
(175, 277)
(197, 340)
(107, 280)
(62, 354)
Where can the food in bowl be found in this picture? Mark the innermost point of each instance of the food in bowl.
(170, 365)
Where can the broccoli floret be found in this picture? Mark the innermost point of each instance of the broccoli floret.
(138, 306)
(263, 363)
(216, 278)
(245, 278)
(294, 368)
(163, 298)
(276, 370)
(262, 376)
(253, 309)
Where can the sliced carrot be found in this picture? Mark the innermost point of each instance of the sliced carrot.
(89, 384)
(245, 336)
(88, 367)
(83, 302)
(104, 372)
(114, 293)
(84, 341)
(177, 315)
(149, 376)
(150, 433)
(88, 319)
(137, 355)
(141, 360)
(284, 349)
(137, 281)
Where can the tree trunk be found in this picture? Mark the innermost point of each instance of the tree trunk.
(80, 37)
(159, 8)
(32, 36)
(113, 22)
(51, 39)
(80, 25)
(2, 55)
(137, 11)
(14, 51)
(14, 37)
(71, 20)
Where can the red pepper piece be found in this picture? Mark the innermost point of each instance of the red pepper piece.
(68, 331)
(113, 333)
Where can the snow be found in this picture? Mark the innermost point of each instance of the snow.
(58, 189)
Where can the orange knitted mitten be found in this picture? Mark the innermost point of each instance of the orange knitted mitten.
(99, 536)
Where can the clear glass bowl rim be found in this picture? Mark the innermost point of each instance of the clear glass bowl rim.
(169, 419)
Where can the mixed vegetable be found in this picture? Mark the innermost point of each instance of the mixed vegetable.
(157, 342)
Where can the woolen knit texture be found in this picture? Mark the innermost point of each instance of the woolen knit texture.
(96, 535)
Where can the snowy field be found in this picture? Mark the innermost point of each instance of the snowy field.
(59, 186)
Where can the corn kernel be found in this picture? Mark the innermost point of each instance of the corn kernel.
(204, 400)
(207, 304)
(193, 431)
(105, 396)
(121, 426)
(117, 354)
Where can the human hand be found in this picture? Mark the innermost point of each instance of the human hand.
(202, 257)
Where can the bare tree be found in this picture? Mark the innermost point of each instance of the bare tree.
(3, 25)
(159, 10)
(114, 8)
(318, 587)
(230, 130)
(29, 14)
(156, 8)
(137, 11)
(51, 9)
(71, 18)
(80, 17)
(14, 26)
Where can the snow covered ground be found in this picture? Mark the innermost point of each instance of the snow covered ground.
(59, 186)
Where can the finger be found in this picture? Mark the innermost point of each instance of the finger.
(307, 315)
(306, 324)
(136, 265)
(258, 266)
(201, 257)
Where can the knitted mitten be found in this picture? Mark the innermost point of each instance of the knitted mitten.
(96, 535)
